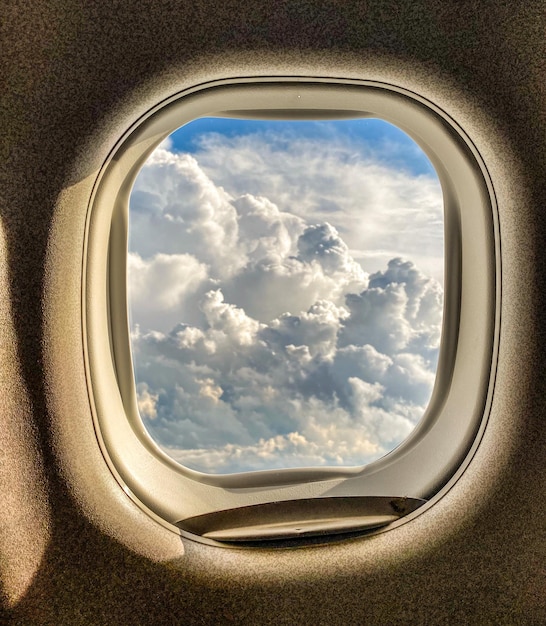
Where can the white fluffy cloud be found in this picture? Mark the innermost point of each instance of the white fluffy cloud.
(177, 209)
(259, 341)
(385, 211)
(160, 288)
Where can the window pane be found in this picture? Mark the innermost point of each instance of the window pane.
(285, 292)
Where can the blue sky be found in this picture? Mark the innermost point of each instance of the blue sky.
(285, 292)
(386, 142)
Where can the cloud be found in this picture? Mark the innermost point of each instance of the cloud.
(146, 402)
(177, 209)
(258, 339)
(401, 306)
(278, 452)
(227, 322)
(331, 375)
(316, 330)
(386, 211)
(321, 268)
(265, 232)
(160, 287)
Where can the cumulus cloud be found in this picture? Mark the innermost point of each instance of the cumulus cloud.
(177, 209)
(386, 211)
(330, 375)
(146, 402)
(321, 268)
(160, 287)
(259, 340)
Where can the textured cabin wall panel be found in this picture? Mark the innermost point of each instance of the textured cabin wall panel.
(74, 549)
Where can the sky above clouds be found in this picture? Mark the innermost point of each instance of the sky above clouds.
(285, 292)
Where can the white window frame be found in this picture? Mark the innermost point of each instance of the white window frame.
(439, 448)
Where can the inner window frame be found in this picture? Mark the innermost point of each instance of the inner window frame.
(169, 491)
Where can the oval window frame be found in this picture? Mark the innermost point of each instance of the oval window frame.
(439, 448)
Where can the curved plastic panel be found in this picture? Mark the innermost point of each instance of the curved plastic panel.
(455, 416)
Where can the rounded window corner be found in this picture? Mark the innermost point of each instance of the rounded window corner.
(290, 506)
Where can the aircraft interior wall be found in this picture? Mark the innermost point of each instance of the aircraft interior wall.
(74, 549)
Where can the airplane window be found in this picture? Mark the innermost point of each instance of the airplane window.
(285, 292)
(274, 349)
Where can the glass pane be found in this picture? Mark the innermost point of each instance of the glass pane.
(285, 292)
